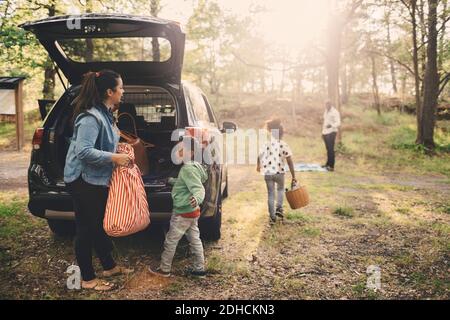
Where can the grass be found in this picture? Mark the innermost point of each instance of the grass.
(362, 292)
(174, 288)
(11, 208)
(14, 219)
(298, 216)
(310, 232)
(445, 209)
(345, 212)
(405, 211)
(217, 263)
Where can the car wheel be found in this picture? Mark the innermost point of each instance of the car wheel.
(62, 228)
(210, 227)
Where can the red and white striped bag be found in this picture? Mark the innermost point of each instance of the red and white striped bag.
(127, 209)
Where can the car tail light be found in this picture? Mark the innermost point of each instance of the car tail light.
(37, 138)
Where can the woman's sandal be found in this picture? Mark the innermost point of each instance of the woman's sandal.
(117, 270)
(97, 285)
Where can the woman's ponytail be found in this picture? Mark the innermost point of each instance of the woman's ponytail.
(93, 90)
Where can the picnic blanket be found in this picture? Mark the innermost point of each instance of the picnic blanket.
(307, 167)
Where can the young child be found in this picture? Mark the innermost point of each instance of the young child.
(271, 163)
(187, 194)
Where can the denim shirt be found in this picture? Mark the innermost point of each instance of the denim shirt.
(95, 138)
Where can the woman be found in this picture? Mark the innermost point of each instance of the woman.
(89, 165)
(271, 161)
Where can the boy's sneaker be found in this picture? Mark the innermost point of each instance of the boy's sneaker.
(279, 213)
(159, 272)
(273, 220)
(201, 274)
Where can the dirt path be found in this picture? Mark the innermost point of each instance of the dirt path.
(13, 171)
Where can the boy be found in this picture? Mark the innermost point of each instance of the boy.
(187, 194)
(271, 163)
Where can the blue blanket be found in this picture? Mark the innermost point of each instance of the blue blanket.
(307, 167)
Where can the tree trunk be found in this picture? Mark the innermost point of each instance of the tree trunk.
(431, 86)
(375, 91)
(263, 82)
(298, 90)
(416, 68)
(404, 77)
(442, 35)
(391, 62)
(344, 85)
(154, 10)
(422, 47)
(333, 60)
(48, 90)
(89, 53)
(283, 75)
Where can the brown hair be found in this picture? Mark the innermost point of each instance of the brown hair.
(93, 90)
(275, 124)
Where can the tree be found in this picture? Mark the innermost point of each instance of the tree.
(155, 8)
(338, 19)
(387, 20)
(431, 83)
(411, 6)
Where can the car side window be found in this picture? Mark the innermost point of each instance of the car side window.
(212, 117)
(195, 99)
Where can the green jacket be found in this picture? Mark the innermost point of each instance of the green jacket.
(189, 183)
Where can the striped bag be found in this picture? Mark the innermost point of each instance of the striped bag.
(127, 209)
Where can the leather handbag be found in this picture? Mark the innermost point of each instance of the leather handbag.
(139, 146)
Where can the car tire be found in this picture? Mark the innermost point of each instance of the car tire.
(210, 227)
(62, 228)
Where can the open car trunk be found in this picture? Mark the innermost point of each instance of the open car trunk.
(152, 111)
(144, 50)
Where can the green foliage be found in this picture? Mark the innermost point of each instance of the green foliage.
(345, 212)
(11, 208)
(404, 137)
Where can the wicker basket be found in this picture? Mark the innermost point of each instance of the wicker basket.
(297, 197)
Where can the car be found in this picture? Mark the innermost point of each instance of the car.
(148, 52)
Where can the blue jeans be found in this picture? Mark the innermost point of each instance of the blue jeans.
(273, 182)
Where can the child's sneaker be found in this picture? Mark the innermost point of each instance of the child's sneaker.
(273, 220)
(280, 213)
(159, 272)
(201, 274)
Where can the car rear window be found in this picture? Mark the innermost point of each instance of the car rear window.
(155, 49)
(154, 106)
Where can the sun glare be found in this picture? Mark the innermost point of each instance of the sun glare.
(294, 24)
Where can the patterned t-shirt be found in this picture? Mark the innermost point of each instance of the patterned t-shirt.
(273, 156)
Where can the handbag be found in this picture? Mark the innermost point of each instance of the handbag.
(139, 146)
